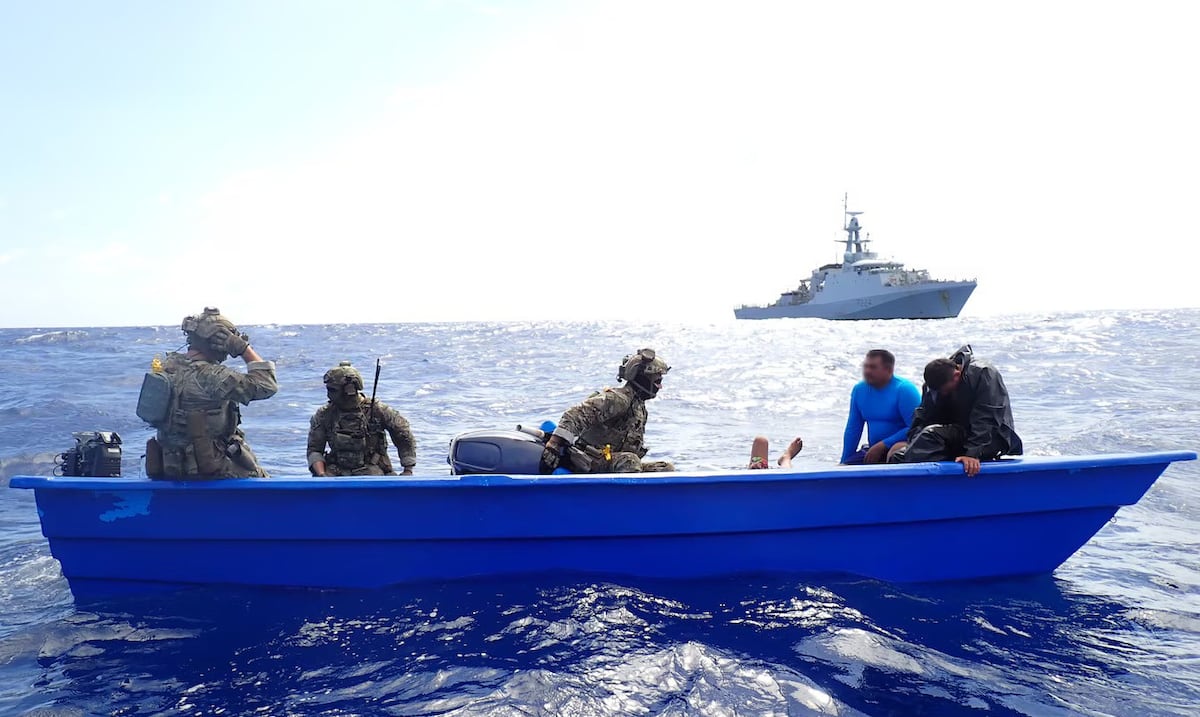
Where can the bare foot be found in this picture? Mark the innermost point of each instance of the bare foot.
(792, 451)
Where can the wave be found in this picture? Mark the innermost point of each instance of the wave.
(32, 464)
(54, 337)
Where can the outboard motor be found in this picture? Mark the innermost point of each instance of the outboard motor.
(96, 454)
(497, 452)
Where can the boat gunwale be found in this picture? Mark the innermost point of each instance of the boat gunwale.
(1032, 464)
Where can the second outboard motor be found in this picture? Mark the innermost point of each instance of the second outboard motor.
(497, 452)
(96, 454)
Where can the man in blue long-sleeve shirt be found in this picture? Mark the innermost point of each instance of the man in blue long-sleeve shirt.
(885, 403)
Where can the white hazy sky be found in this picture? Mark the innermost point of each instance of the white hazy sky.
(304, 162)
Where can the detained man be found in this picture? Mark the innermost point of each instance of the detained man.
(884, 403)
(964, 416)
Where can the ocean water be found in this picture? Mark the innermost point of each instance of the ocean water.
(1115, 631)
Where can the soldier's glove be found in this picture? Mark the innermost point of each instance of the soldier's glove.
(231, 343)
(550, 461)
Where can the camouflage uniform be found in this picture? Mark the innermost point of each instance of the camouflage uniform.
(613, 418)
(357, 442)
(211, 391)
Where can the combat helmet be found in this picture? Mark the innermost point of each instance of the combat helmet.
(343, 378)
(208, 331)
(644, 372)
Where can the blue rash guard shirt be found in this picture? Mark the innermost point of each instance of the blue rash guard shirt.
(887, 413)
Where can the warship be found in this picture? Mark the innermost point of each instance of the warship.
(864, 286)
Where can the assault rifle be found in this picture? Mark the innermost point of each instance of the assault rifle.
(374, 387)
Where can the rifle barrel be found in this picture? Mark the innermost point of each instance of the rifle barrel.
(374, 387)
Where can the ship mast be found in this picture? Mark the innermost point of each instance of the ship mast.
(854, 242)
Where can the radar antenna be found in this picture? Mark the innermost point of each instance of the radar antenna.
(850, 225)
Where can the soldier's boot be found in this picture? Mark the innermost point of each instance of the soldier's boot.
(625, 463)
(658, 467)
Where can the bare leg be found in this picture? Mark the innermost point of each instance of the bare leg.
(759, 452)
(793, 449)
(901, 445)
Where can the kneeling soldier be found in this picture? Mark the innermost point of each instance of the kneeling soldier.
(606, 433)
(354, 430)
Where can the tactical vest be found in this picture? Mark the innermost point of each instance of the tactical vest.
(221, 417)
(624, 433)
(352, 442)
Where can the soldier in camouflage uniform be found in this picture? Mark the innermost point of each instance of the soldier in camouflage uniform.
(201, 436)
(605, 433)
(355, 430)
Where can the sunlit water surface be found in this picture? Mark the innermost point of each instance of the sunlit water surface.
(1116, 631)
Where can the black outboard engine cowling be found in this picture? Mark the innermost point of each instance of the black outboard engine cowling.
(96, 454)
(496, 452)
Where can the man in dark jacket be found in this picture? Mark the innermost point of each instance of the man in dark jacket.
(964, 415)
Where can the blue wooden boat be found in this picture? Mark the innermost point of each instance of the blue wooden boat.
(907, 523)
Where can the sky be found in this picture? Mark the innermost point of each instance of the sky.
(319, 161)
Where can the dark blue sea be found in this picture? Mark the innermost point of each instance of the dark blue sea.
(1115, 631)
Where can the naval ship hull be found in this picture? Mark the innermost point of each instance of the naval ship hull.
(943, 300)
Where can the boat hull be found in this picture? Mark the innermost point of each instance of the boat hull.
(911, 523)
(944, 300)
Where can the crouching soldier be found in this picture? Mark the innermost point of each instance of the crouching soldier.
(355, 429)
(196, 405)
(605, 433)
